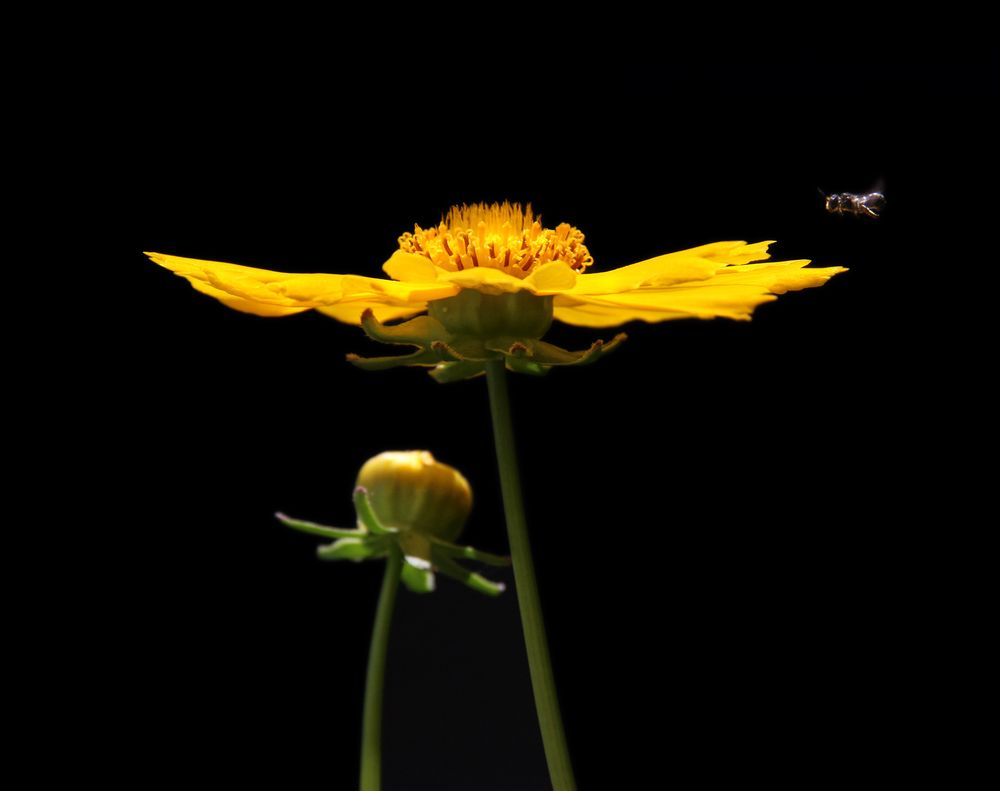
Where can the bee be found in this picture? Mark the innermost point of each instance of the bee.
(867, 204)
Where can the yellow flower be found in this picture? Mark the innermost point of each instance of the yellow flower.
(493, 273)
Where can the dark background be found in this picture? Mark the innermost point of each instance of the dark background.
(728, 585)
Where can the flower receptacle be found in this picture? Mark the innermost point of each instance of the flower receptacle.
(475, 314)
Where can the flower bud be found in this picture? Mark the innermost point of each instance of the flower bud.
(410, 491)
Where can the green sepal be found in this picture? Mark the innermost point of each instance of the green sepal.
(425, 357)
(457, 371)
(605, 348)
(510, 346)
(445, 565)
(463, 349)
(427, 334)
(366, 514)
(458, 551)
(316, 529)
(416, 579)
(454, 357)
(548, 354)
(524, 365)
(420, 331)
(354, 548)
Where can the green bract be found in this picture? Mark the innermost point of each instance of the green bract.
(461, 334)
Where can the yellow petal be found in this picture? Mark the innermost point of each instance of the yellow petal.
(734, 302)
(732, 293)
(664, 270)
(244, 305)
(306, 290)
(654, 305)
(552, 278)
(268, 293)
(780, 276)
(256, 285)
(733, 253)
(581, 314)
(350, 312)
(357, 287)
(485, 279)
(410, 267)
(196, 267)
(684, 266)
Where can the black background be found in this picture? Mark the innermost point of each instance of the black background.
(729, 588)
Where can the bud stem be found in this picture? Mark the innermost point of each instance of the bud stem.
(539, 663)
(371, 726)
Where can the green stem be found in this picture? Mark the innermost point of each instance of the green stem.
(539, 663)
(371, 726)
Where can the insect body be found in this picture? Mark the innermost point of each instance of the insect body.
(868, 204)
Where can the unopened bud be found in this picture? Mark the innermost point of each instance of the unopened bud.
(411, 491)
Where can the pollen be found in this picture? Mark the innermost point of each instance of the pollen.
(501, 236)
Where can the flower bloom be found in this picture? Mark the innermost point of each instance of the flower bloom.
(502, 250)
(492, 279)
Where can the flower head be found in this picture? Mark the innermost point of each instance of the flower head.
(497, 237)
(492, 278)
(408, 502)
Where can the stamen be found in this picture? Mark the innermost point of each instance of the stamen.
(509, 238)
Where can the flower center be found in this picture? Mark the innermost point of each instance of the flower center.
(499, 236)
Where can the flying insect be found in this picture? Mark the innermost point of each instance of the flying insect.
(867, 204)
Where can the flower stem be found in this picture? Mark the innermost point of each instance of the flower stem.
(371, 725)
(539, 663)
